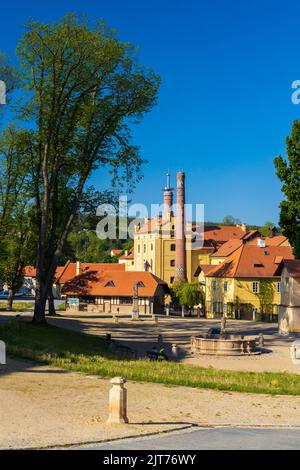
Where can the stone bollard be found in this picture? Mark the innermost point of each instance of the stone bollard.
(261, 341)
(193, 345)
(182, 311)
(174, 350)
(2, 353)
(118, 402)
(167, 310)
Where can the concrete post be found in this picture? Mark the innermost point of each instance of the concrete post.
(167, 310)
(118, 402)
(182, 311)
(2, 353)
(261, 341)
(174, 350)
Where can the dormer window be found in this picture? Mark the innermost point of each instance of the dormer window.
(110, 284)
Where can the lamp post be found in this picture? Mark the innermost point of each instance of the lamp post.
(135, 304)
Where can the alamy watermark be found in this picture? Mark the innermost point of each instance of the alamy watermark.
(126, 221)
(2, 92)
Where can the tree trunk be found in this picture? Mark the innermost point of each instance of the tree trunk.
(51, 311)
(40, 304)
(10, 300)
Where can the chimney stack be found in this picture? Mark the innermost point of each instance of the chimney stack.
(168, 199)
(180, 258)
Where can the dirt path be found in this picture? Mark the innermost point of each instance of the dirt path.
(43, 406)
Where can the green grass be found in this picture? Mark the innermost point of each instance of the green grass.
(89, 354)
(17, 306)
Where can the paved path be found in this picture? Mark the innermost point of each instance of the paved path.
(210, 439)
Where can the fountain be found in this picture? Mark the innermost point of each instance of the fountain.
(219, 343)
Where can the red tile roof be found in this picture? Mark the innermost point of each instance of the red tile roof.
(69, 270)
(29, 271)
(228, 248)
(113, 283)
(277, 240)
(251, 261)
(130, 255)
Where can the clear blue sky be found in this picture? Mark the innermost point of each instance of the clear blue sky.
(225, 102)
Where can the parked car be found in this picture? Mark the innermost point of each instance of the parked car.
(4, 294)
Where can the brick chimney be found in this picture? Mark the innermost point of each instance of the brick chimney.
(180, 258)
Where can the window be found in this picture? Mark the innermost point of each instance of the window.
(277, 286)
(173, 247)
(172, 262)
(214, 285)
(125, 300)
(151, 246)
(171, 280)
(139, 248)
(255, 287)
(225, 286)
(145, 247)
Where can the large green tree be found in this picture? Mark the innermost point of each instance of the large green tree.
(288, 171)
(189, 294)
(85, 88)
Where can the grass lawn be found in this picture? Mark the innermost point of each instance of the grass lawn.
(89, 354)
(17, 306)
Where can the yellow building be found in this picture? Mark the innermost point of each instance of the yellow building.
(155, 246)
(247, 283)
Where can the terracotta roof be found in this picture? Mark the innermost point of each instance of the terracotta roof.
(69, 270)
(113, 283)
(277, 240)
(205, 268)
(116, 252)
(29, 271)
(293, 267)
(228, 248)
(253, 261)
(129, 256)
(251, 234)
(215, 235)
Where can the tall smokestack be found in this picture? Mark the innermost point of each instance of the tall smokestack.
(180, 258)
(168, 198)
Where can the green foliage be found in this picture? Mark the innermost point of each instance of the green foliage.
(288, 171)
(189, 294)
(265, 229)
(18, 306)
(266, 294)
(230, 220)
(83, 89)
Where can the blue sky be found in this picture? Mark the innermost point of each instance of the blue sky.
(224, 107)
